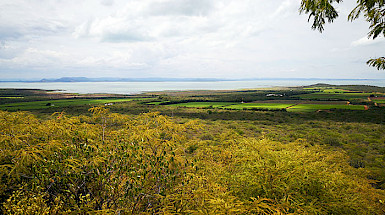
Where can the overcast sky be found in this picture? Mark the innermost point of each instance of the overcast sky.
(179, 38)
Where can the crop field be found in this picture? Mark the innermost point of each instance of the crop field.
(335, 96)
(270, 106)
(327, 90)
(315, 107)
(204, 104)
(156, 103)
(379, 101)
(11, 97)
(232, 105)
(335, 91)
(35, 105)
(328, 98)
(258, 105)
(294, 106)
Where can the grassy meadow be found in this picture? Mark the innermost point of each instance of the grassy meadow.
(380, 100)
(37, 105)
(315, 107)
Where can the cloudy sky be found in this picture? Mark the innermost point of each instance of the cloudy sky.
(179, 38)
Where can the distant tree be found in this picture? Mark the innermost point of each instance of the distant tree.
(373, 11)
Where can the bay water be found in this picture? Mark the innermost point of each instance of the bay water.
(140, 87)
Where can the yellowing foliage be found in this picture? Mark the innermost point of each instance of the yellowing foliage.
(148, 164)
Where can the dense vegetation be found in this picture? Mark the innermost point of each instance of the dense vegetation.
(136, 158)
(113, 163)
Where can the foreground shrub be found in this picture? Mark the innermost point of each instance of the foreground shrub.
(81, 164)
(148, 164)
(271, 177)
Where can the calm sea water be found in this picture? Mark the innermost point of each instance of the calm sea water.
(139, 87)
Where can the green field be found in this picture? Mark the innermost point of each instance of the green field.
(269, 106)
(314, 107)
(11, 97)
(335, 91)
(255, 100)
(156, 103)
(232, 105)
(259, 105)
(326, 90)
(334, 96)
(35, 105)
(379, 101)
(203, 104)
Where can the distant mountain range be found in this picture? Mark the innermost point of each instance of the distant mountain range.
(84, 79)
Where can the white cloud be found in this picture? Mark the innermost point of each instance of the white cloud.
(35, 58)
(365, 41)
(285, 8)
(180, 7)
(178, 38)
(107, 2)
(152, 20)
(157, 20)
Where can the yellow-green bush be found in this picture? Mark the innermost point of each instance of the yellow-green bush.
(149, 164)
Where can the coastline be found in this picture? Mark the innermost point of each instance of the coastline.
(129, 88)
